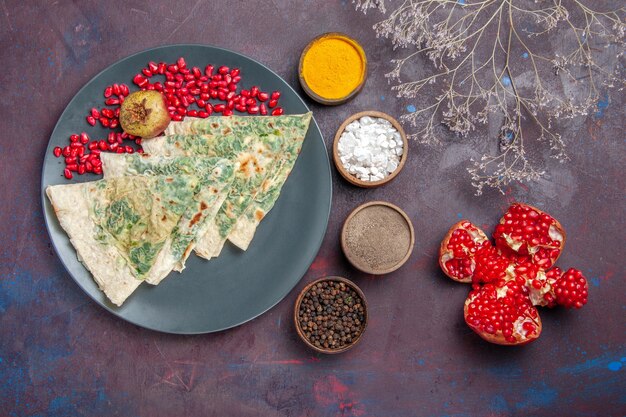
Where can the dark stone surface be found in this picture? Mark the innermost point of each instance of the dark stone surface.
(62, 355)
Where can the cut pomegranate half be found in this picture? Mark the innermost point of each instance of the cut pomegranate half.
(502, 314)
(527, 231)
(458, 248)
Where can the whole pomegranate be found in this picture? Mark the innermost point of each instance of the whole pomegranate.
(511, 278)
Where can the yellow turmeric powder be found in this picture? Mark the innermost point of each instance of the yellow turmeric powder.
(333, 66)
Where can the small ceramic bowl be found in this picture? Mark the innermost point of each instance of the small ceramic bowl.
(380, 225)
(296, 312)
(353, 93)
(351, 178)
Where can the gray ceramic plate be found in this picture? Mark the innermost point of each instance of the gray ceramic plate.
(238, 286)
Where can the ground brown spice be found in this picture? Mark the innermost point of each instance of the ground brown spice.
(378, 237)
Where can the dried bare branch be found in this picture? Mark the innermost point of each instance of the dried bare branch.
(486, 61)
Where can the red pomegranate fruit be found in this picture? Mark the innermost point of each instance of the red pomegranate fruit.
(502, 314)
(527, 231)
(512, 277)
(458, 249)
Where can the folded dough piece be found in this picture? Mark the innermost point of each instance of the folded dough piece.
(278, 137)
(129, 229)
(216, 176)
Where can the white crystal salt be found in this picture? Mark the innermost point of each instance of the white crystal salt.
(370, 148)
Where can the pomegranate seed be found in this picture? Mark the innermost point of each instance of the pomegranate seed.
(81, 169)
(254, 91)
(209, 108)
(173, 69)
(177, 117)
(245, 93)
(57, 151)
(263, 96)
(114, 123)
(232, 87)
(92, 146)
(150, 87)
(116, 89)
(236, 79)
(272, 103)
(203, 114)
(140, 80)
(192, 113)
(208, 70)
(275, 95)
(253, 109)
(277, 111)
(129, 149)
(72, 167)
(181, 63)
(138, 141)
(240, 108)
(67, 173)
(114, 146)
(219, 107)
(95, 113)
(103, 145)
(91, 120)
(201, 103)
(189, 77)
(223, 70)
(108, 92)
(97, 170)
(105, 122)
(74, 138)
(263, 109)
(250, 102)
(227, 112)
(70, 160)
(153, 67)
(112, 101)
(147, 72)
(231, 104)
(196, 72)
(75, 145)
(235, 72)
(181, 110)
(124, 90)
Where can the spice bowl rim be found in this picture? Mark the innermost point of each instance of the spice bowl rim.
(296, 311)
(347, 253)
(351, 178)
(327, 101)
